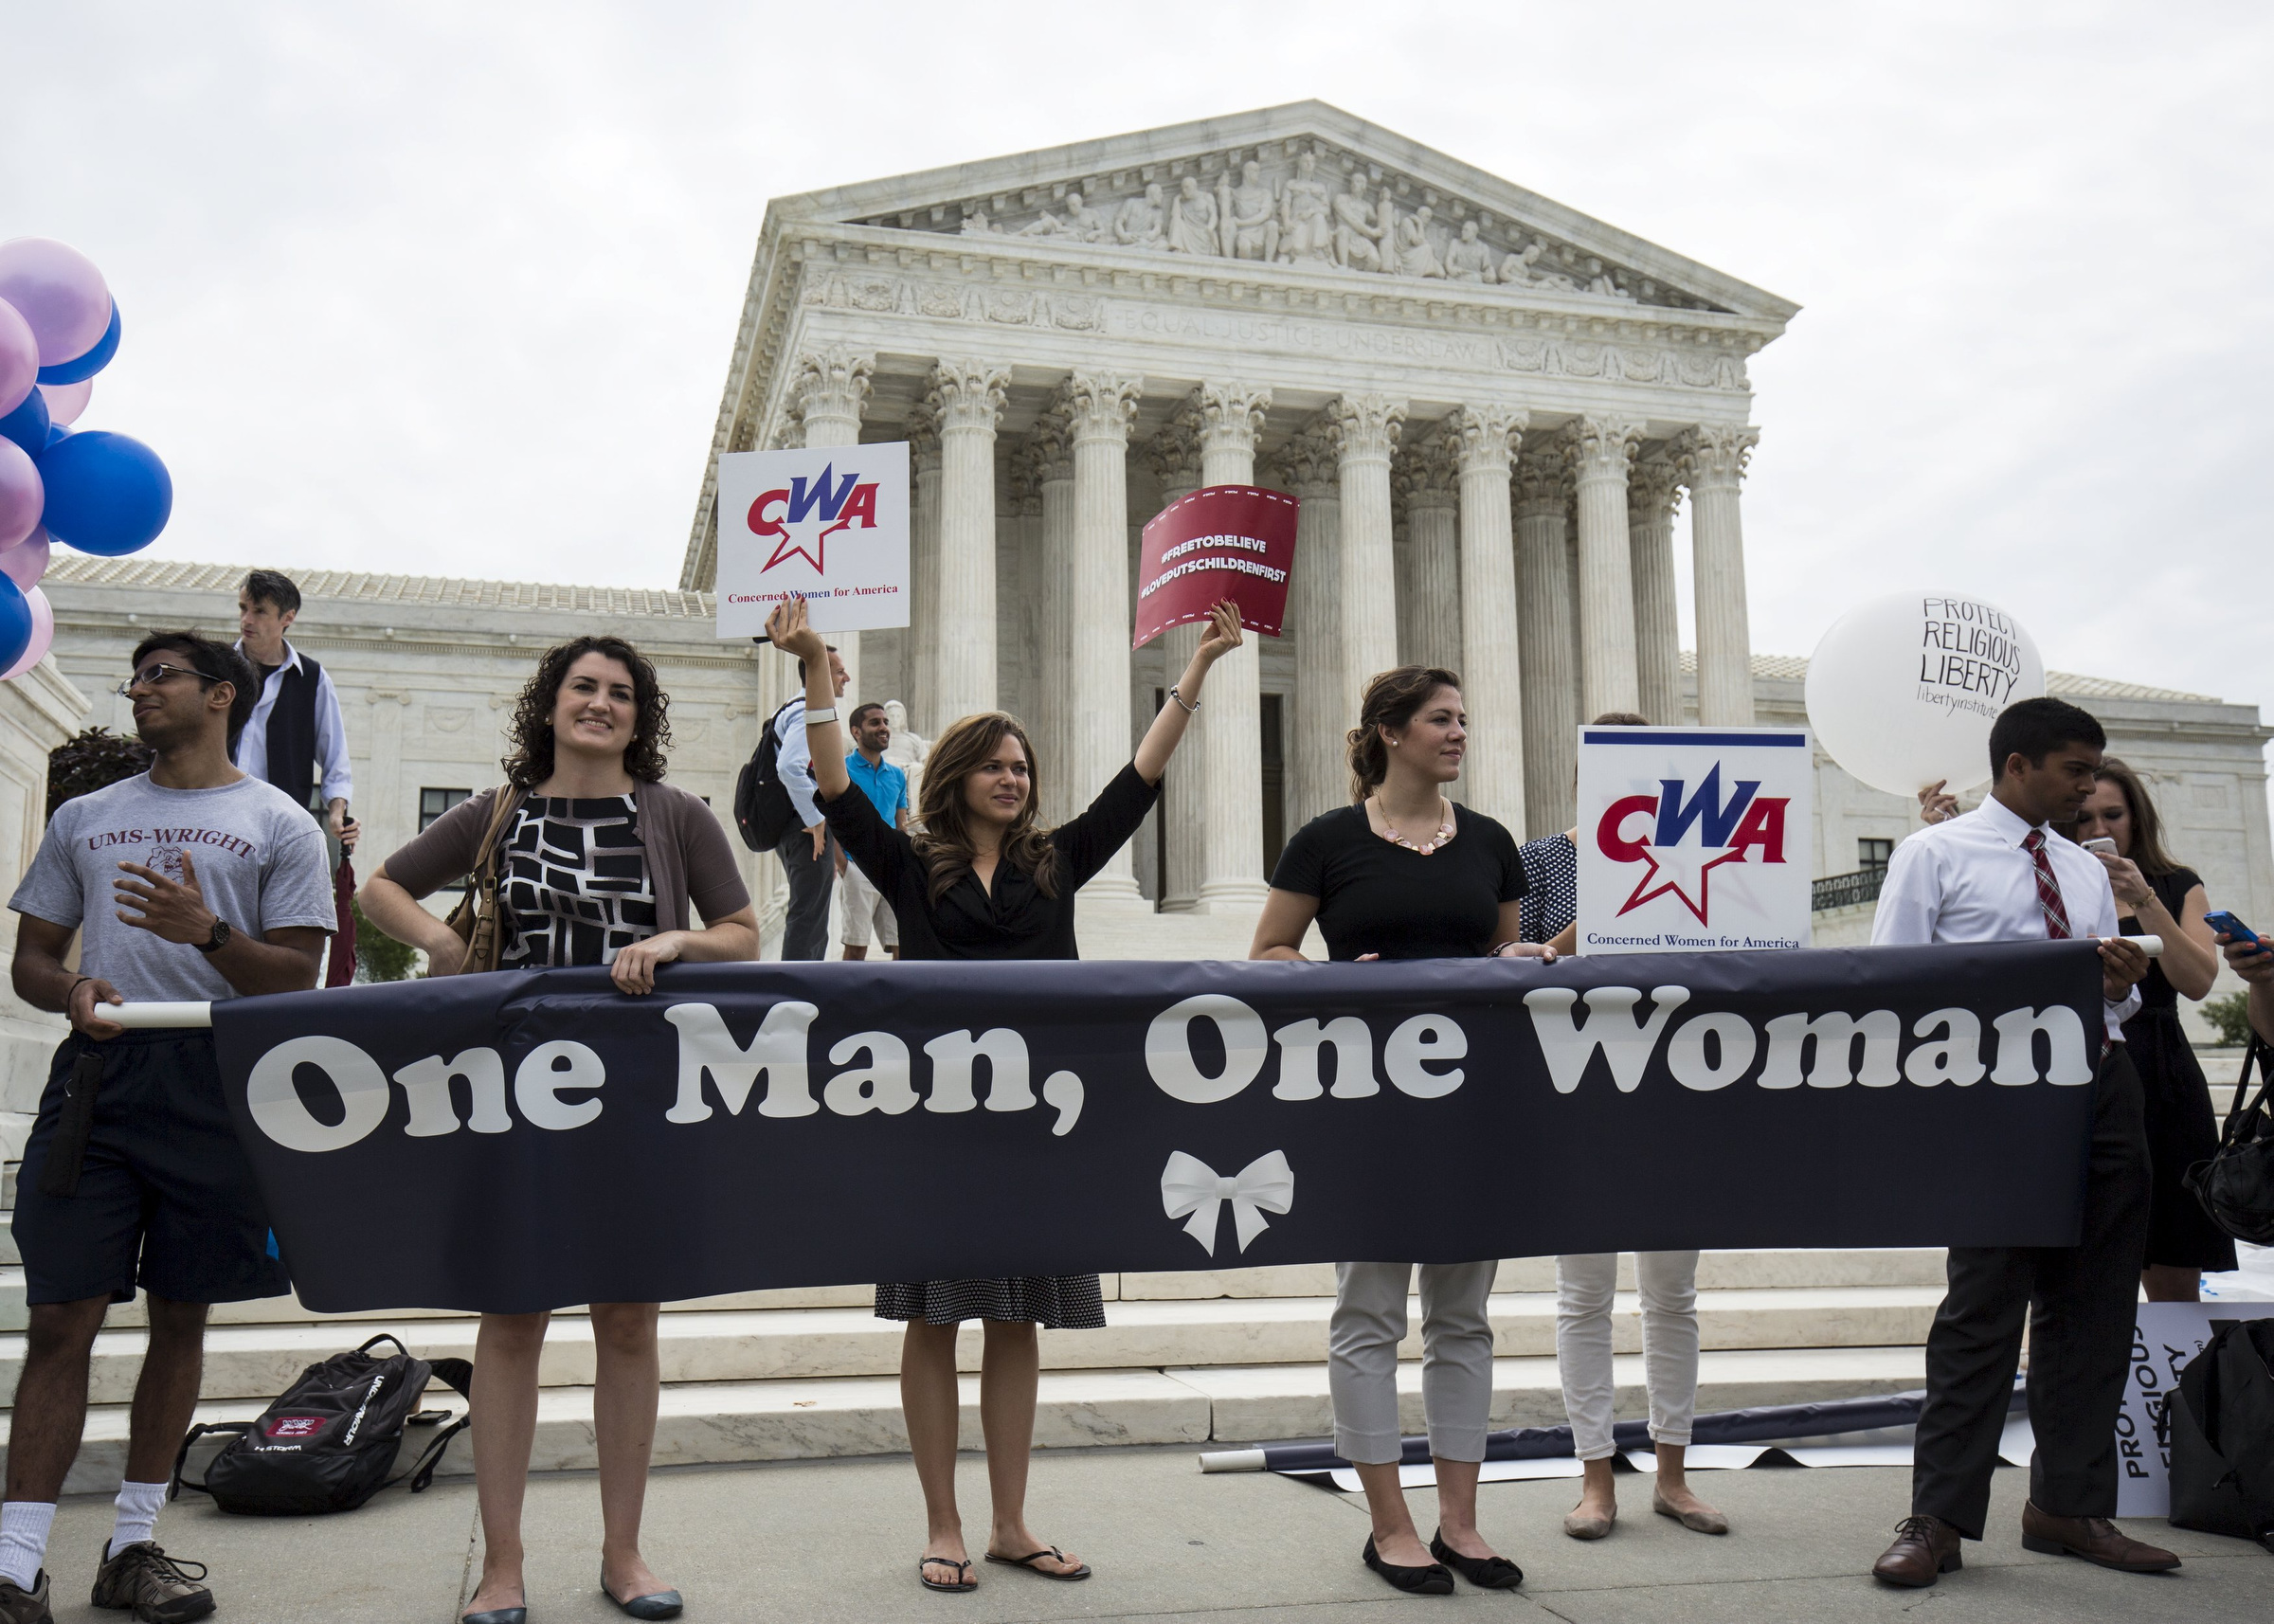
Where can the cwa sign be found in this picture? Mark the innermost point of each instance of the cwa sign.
(829, 522)
(1694, 840)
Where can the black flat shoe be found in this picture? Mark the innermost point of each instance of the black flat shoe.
(1430, 1580)
(1485, 1573)
(497, 1615)
(655, 1604)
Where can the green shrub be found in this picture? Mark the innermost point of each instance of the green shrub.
(95, 759)
(2229, 1016)
(378, 956)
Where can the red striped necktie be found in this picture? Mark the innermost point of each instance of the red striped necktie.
(2048, 893)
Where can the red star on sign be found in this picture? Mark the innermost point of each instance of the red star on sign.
(1686, 875)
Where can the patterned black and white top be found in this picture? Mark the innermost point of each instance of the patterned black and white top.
(1551, 893)
(576, 882)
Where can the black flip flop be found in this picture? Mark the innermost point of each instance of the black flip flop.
(930, 1583)
(1029, 1561)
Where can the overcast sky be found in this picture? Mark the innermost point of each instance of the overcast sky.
(451, 289)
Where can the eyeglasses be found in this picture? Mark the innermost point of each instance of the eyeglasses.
(156, 673)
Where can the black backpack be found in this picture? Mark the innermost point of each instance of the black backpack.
(763, 813)
(330, 1442)
(2222, 1425)
(2236, 1185)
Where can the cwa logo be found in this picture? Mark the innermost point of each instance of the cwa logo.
(1681, 836)
(801, 517)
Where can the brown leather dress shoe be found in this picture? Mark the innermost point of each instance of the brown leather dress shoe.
(2095, 1538)
(1924, 1549)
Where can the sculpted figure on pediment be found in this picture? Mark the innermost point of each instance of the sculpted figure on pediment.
(1417, 255)
(1192, 220)
(1606, 288)
(1306, 216)
(1518, 270)
(1248, 214)
(1469, 259)
(1359, 239)
(1142, 221)
(975, 223)
(1082, 224)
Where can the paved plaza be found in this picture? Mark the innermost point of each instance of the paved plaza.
(838, 1541)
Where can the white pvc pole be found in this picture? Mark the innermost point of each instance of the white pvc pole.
(146, 1017)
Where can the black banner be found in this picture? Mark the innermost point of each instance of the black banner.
(524, 1141)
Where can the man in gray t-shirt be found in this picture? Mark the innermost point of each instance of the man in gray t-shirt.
(189, 883)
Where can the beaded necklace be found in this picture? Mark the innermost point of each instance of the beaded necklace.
(1443, 836)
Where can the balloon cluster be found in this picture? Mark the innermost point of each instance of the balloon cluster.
(98, 492)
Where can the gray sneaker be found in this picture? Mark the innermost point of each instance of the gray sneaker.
(20, 1606)
(159, 1588)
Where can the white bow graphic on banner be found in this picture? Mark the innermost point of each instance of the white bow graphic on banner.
(1190, 1186)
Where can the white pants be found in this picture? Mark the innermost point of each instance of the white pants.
(1457, 1357)
(865, 911)
(1584, 1285)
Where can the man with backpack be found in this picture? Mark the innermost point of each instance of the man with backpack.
(192, 882)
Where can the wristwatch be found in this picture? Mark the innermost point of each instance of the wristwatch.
(218, 940)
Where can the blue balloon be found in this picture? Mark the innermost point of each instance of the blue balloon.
(15, 622)
(107, 493)
(81, 368)
(56, 431)
(27, 427)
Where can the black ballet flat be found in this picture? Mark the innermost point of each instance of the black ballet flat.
(497, 1615)
(655, 1604)
(1485, 1573)
(1430, 1580)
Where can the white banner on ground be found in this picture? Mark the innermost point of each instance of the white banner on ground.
(1694, 840)
(830, 522)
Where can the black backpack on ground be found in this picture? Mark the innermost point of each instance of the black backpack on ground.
(2222, 1431)
(328, 1443)
(763, 814)
(2236, 1185)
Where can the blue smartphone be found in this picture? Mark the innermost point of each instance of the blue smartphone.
(2227, 925)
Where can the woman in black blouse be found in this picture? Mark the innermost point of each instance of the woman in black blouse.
(983, 880)
(1404, 873)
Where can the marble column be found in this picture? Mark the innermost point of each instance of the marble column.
(1651, 493)
(1712, 462)
(921, 684)
(1429, 582)
(1365, 430)
(1230, 725)
(827, 394)
(1052, 449)
(1095, 744)
(1175, 454)
(1318, 773)
(1483, 441)
(970, 396)
(1600, 449)
(1551, 687)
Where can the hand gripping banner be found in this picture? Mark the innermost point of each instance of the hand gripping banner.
(524, 1141)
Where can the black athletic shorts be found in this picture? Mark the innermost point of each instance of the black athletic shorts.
(166, 1198)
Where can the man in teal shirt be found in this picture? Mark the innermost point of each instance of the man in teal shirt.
(886, 787)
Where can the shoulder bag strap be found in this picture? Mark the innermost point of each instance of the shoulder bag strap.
(173, 1490)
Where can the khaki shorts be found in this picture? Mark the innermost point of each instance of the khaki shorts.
(866, 910)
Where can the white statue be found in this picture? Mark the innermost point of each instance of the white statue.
(1607, 288)
(976, 225)
(1082, 224)
(1305, 215)
(1142, 219)
(905, 748)
(1192, 220)
(1248, 214)
(1358, 241)
(1416, 256)
(1469, 259)
(1516, 271)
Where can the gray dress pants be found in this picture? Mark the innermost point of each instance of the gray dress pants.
(1457, 1357)
(805, 927)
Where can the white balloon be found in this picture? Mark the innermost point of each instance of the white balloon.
(1902, 690)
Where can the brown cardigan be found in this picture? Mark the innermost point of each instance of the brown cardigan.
(688, 857)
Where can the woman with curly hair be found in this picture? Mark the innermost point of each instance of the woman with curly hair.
(983, 880)
(601, 863)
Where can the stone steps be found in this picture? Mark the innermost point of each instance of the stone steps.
(805, 1418)
(259, 1361)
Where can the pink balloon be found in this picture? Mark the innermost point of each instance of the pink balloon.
(26, 562)
(66, 400)
(21, 494)
(19, 359)
(42, 633)
(59, 292)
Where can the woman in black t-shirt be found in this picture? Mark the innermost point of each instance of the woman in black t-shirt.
(983, 879)
(1404, 874)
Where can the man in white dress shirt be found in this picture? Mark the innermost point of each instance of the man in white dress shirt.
(1999, 873)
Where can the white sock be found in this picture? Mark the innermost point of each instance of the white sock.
(23, 1525)
(138, 1506)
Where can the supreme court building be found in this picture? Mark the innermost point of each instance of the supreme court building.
(1500, 416)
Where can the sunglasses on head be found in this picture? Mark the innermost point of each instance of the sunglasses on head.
(157, 671)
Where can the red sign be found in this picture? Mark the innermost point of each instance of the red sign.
(1222, 541)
